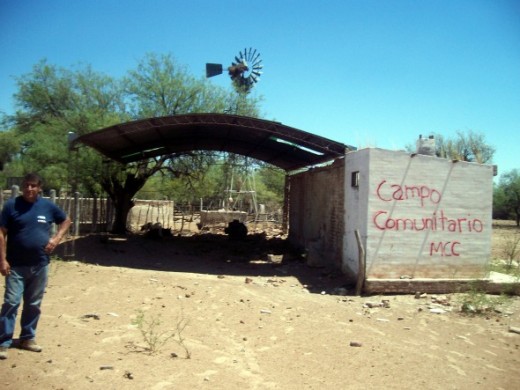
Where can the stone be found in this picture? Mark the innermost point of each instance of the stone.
(514, 329)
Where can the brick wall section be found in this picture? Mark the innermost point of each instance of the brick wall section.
(316, 214)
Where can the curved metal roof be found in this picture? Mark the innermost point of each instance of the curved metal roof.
(268, 141)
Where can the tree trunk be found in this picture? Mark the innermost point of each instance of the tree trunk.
(121, 195)
(122, 206)
(122, 192)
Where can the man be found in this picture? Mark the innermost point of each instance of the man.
(25, 248)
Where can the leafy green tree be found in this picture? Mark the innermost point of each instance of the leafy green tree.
(212, 182)
(122, 181)
(500, 207)
(186, 179)
(9, 146)
(270, 186)
(50, 103)
(159, 86)
(508, 195)
(469, 146)
(464, 146)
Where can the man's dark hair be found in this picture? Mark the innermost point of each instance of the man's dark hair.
(33, 178)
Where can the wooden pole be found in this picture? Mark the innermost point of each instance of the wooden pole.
(361, 264)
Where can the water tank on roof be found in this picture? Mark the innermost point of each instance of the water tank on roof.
(426, 146)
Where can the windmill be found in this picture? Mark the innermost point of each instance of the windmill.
(244, 71)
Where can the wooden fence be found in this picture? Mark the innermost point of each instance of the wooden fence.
(94, 215)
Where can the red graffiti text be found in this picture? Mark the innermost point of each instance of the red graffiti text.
(433, 222)
(445, 249)
(388, 192)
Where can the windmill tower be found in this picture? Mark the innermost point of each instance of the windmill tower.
(245, 72)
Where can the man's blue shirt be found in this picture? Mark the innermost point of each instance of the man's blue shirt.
(28, 229)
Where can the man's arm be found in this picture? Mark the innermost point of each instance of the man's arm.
(5, 268)
(62, 230)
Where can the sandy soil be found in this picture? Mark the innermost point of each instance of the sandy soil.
(247, 316)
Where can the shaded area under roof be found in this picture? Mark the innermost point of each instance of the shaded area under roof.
(268, 141)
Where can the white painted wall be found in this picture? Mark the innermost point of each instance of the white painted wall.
(419, 217)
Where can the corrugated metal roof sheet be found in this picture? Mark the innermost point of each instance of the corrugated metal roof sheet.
(268, 141)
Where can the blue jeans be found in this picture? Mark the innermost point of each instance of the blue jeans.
(29, 283)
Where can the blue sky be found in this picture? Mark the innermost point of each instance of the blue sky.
(365, 73)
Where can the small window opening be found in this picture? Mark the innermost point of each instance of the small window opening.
(354, 179)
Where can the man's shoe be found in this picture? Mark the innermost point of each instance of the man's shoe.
(3, 353)
(30, 345)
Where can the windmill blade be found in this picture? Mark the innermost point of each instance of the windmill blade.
(253, 56)
(245, 70)
(257, 56)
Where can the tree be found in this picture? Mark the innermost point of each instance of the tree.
(9, 145)
(122, 183)
(508, 194)
(270, 186)
(500, 207)
(159, 86)
(187, 179)
(50, 103)
(469, 146)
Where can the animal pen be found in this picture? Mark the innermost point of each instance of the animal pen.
(95, 215)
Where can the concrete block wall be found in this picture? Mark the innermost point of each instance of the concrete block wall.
(316, 213)
(418, 216)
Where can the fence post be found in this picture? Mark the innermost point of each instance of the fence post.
(52, 194)
(109, 215)
(94, 213)
(76, 214)
(15, 191)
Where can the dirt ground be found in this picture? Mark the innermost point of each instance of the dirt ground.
(248, 316)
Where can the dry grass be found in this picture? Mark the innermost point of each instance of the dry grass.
(505, 247)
